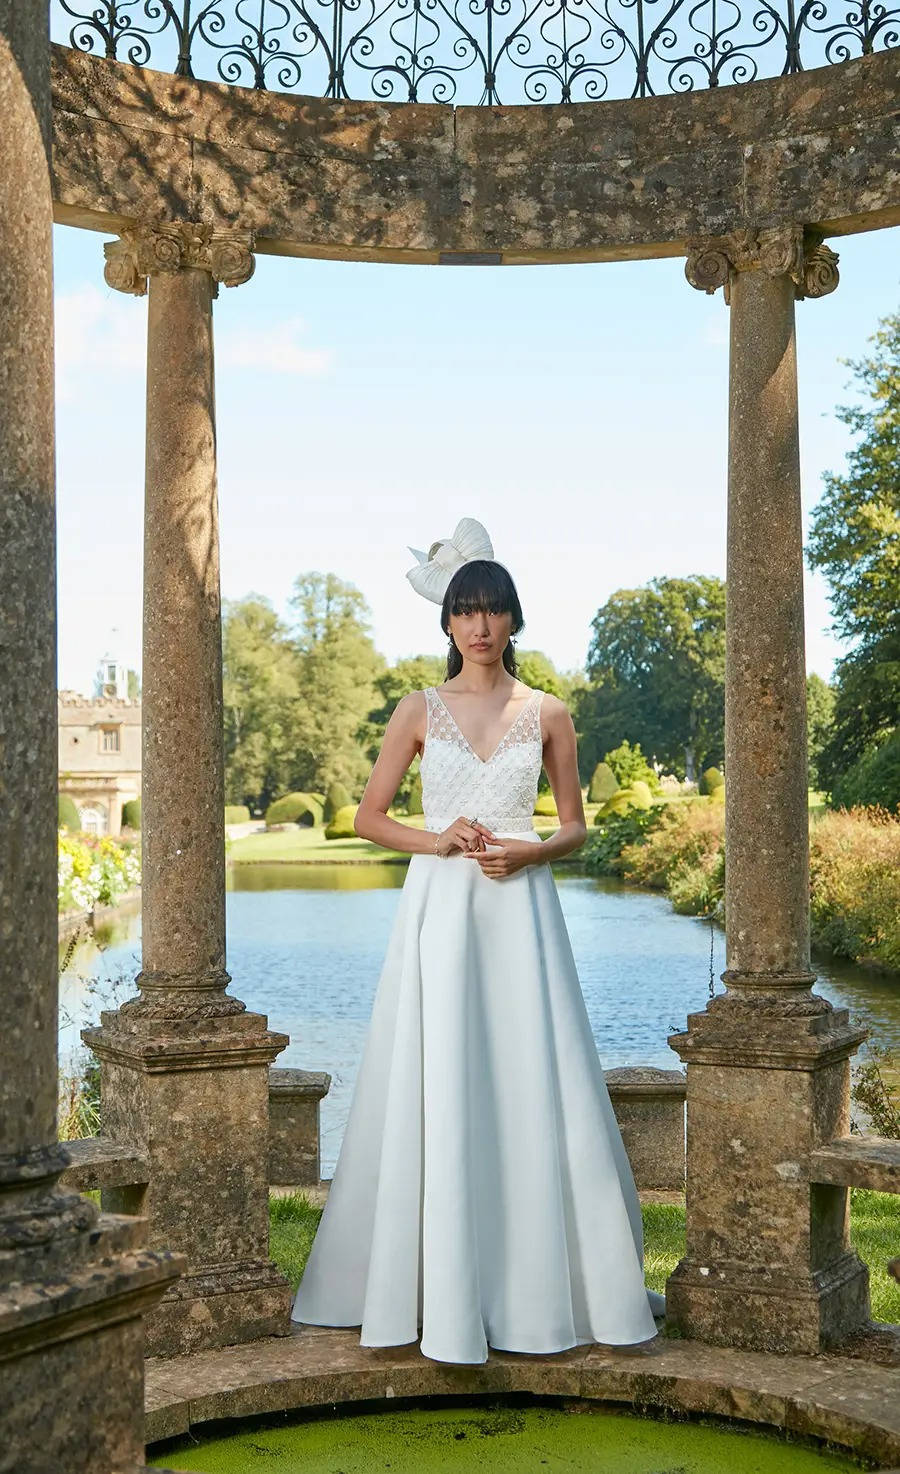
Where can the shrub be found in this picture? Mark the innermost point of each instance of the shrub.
(294, 808)
(603, 848)
(710, 780)
(629, 763)
(131, 814)
(341, 826)
(237, 814)
(688, 836)
(854, 865)
(874, 780)
(640, 794)
(414, 801)
(95, 872)
(336, 798)
(603, 785)
(545, 803)
(67, 814)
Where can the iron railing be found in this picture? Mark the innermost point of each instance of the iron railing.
(478, 51)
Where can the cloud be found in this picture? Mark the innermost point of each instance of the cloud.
(275, 350)
(101, 331)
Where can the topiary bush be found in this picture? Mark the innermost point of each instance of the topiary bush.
(603, 784)
(131, 814)
(641, 797)
(341, 826)
(295, 808)
(710, 780)
(629, 763)
(67, 815)
(336, 798)
(622, 801)
(237, 814)
(545, 803)
(414, 801)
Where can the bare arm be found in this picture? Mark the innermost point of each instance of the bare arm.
(561, 764)
(404, 735)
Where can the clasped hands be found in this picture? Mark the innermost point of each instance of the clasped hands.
(471, 837)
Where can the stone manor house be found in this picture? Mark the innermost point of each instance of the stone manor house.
(100, 748)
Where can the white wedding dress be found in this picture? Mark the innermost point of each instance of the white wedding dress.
(482, 1192)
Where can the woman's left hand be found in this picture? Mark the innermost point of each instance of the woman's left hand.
(509, 856)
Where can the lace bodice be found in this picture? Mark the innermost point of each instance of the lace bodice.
(500, 792)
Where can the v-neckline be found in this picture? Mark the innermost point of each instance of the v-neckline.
(484, 760)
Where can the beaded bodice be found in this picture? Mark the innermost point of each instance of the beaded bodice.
(501, 791)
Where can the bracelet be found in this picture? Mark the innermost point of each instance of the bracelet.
(436, 850)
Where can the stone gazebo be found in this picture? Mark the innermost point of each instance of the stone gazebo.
(189, 180)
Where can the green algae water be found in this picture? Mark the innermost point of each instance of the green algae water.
(462, 1440)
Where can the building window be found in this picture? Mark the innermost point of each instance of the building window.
(109, 739)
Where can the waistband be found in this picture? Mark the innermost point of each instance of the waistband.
(513, 824)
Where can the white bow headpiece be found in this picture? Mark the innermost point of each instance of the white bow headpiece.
(435, 568)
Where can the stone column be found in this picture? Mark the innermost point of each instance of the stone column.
(184, 1066)
(768, 1262)
(72, 1285)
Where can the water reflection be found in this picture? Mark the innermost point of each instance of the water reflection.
(306, 945)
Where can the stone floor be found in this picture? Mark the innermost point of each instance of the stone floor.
(852, 1404)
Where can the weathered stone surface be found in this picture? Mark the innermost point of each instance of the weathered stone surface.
(649, 1107)
(184, 1066)
(826, 1397)
(96, 1162)
(372, 180)
(858, 1161)
(294, 1097)
(768, 1262)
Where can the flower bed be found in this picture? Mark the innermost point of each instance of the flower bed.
(95, 871)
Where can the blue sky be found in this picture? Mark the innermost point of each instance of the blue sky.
(580, 412)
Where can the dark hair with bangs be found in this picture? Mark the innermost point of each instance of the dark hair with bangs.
(482, 583)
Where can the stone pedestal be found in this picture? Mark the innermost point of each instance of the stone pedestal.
(768, 1262)
(73, 1285)
(294, 1141)
(184, 1067)
(649, 1107)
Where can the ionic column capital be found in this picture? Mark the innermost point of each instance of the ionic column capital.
(143, 251)
(793, 250)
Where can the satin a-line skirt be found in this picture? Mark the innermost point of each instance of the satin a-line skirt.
(482, 1194)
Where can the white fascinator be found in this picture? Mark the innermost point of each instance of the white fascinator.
(434, 569)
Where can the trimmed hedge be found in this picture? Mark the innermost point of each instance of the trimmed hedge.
(237, 814)
(67, 815)
(637, 796)
(414, 801)
(603, 785)
(336, 798)
(545, 803)
(295, 808)
(341, 826)
(710, 780)
(131, 814)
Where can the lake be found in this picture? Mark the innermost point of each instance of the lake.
(306, 944)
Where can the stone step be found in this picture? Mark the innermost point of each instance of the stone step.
(96, 1162)
(858, 1161)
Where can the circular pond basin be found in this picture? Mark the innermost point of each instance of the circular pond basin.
(511, 1440)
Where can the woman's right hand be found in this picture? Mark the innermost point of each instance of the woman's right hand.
(461, 835)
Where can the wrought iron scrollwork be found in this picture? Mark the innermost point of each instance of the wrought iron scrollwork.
(479, 51)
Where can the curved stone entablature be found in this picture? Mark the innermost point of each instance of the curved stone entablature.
(408, 182)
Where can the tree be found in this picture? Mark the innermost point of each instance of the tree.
(337, 670)
(134, 685)
(819, 718)
(855, 541)
(657, 666)
(260, 690)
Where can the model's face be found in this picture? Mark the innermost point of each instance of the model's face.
(480, 636)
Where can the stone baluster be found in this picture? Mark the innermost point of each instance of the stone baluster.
(768, 1262)
(72, 1284)
(184, 1066)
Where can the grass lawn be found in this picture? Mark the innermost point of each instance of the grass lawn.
(875, 1231)
(308, 845)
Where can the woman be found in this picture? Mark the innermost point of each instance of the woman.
(482, 1193)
